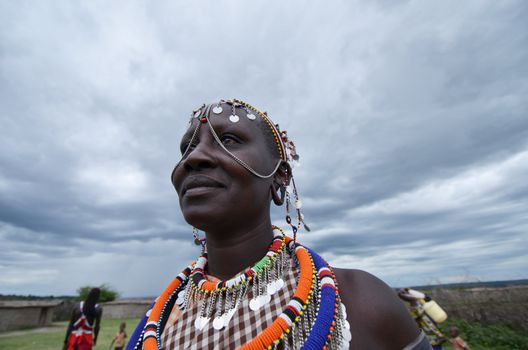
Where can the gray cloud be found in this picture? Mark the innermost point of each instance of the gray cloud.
(410, 119)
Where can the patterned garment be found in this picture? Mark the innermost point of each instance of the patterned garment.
(427, 325)
(244, 326)
(81, 337)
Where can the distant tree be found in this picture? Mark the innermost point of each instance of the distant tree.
(107, 293)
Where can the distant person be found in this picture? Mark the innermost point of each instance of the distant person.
(119, 338)
(457, 342)
(84, 323)
(425, 323)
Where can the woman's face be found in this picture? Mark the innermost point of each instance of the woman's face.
(216, 191)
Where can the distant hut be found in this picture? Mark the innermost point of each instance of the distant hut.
(126, 308)
(19, 314)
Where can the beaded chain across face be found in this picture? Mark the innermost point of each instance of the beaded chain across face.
(285, 146)
(314, 318)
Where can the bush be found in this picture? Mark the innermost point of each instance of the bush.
(107, 293)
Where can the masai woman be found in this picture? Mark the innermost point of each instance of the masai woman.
(84, 323)
(254, 286)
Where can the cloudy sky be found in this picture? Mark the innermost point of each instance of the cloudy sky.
(410, 118)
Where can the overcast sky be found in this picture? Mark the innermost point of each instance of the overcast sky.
(410, 119)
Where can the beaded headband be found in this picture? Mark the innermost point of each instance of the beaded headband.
(285, 146)
(274, 128)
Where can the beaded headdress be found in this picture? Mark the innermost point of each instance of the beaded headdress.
(313, 318)
(285, 147)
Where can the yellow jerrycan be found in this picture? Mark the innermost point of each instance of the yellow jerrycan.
(433, 310)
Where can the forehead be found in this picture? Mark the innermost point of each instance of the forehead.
(250, 129)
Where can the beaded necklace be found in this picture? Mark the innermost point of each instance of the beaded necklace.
(314, 318)
(223, 298)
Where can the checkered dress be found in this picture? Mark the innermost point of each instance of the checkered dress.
(244, 326)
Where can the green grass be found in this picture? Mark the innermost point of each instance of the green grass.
(52, 338)
(478, 336)
(487, 337)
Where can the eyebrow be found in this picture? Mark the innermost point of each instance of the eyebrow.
(226, 125)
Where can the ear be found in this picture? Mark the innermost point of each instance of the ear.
(283, 174)
(281, 179)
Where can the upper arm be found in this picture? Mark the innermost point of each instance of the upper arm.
(98, 315)
(74, 316)
(378, 319)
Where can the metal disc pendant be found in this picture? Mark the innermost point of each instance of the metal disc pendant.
(181, 298)
(347, 335)
(218, 322)
(280, 284)
(198, 323)
(251, 116)
(343, 311)
(234, 118)
(254, 304)
(197, 113)
(298, 204)
(201, 322)
(217, 109)
(228, 316)
(205, 321)
(271, 289)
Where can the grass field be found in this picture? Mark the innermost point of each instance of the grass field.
(52, 338)
(479, 337)
(488, 337)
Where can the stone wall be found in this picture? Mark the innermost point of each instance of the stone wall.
(132, 308)
(507, 305)
(63, 311)
(25, 314)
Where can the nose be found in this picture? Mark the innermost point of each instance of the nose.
(199, 157)
(202, 155)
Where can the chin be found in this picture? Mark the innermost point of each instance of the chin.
(202, 218)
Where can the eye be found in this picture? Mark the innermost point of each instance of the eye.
(229, 139)
(184, 145)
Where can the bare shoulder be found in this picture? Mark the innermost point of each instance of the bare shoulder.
(378, 319)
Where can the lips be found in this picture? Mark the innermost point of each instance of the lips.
(199, 181)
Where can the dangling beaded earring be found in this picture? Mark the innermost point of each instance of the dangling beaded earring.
(197, 240)
(297, 204)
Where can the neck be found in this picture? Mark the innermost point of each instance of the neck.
(232, 251)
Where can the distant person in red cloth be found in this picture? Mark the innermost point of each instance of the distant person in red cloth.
(84, 323)
(457, 342)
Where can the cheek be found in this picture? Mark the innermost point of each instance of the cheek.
(255, 189)
(261, 162)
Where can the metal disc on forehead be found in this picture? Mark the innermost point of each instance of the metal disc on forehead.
(217, 109)
(197, 113)
(251, 116)
(234, 118)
